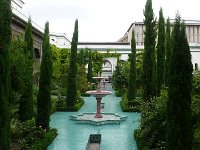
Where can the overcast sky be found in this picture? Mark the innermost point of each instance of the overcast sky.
(102, 20)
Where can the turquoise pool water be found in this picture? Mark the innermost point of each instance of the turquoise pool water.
(72, 136)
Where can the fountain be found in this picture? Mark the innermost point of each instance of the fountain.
(98, 118)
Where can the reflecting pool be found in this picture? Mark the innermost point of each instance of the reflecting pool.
(72, 136)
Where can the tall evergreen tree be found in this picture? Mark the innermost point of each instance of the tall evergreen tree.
(160, 52)
(132, 72)
(44, 94)
(5, 36)
(81, 57)
(89, 74)
(179, 127)
(72, 74)
(26, 111)
(149, 64)
(168, 50)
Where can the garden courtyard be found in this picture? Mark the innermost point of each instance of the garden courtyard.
(113, 136)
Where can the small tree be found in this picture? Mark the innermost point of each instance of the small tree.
(149, 63)
(72, 74)
(179, 125)
(44, 93)
(132, 72)
(160, 52)
(5, 36)
(26, 111)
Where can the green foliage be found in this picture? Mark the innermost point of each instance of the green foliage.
(72, 74)
(179, 129)
(82, 79)
(168, 50)
(149, 62)
(160, 52)
(132, 72)
(53, 104)
(26, 133)
(97, 59)
(119, 78)
(89, 74)
(130, 106)
(61, 105)
(44, 94)
(56, 63)
(139, 65)
(27, 136)
(83, 56)
(26, 110)
(110, 53)
(18, 63)
(120, 92)
(196, 110)
(5, 37)
(46, 140)
(151, 134)
(196, 83)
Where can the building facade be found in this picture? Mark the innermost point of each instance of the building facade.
(192, 32)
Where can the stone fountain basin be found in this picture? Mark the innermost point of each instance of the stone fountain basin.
(89, 118)
(99, 94)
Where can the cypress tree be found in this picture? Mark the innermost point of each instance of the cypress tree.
(5, 36)
(179, 127)
(160, 52)
(81, 57)
(149, 64)
(132, 72)
(168, 50)
(89, 74)
(72, 74)
(26, 111)
(44, 93)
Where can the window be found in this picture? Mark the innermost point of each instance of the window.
(196, 67)
(37, 53)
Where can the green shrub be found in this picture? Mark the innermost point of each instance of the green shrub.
(196, 121)
(85, 95)
(120, 92)
(151, 134)
(53, 104)
(25, 134)
(61, 104)
(135, 104)
(47, 139)
(77, 106)
(54, 92)
(62, 91)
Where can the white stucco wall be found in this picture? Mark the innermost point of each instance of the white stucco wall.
(195, 58)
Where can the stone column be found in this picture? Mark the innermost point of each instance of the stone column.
(98, 114)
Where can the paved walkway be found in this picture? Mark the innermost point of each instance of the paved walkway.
(72, 136)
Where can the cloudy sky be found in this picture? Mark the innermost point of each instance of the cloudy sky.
(102, 20)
